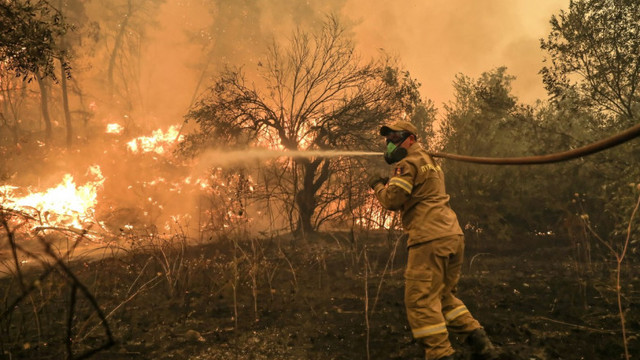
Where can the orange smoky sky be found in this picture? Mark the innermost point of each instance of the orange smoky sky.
(437, 39)
(433, 39)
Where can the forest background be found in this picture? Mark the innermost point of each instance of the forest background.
(255, 74)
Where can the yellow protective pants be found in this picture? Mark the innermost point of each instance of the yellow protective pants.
(433, 270)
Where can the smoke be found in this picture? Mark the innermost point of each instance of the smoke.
(197, 39)
(435, 40)
(184, 44)
(438, 39)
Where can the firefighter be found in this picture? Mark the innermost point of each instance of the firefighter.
(435, 246)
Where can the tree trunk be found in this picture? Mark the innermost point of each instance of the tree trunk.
(306, 197)
(203, 74)
(305, 200)
(9, 103)
(65, 103)
(116, 47)
(44, 106)
(64, 87)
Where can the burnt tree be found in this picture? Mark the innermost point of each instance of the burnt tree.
(314, 94)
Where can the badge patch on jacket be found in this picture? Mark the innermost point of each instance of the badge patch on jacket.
(399, 170)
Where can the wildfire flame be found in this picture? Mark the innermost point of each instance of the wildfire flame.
(159, 142)
(66, 204)
(74, 206)
(115, 128)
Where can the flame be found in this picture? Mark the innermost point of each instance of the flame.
(115, 128)
(159, 142)
(306, 134)
(373, 216)
(66, 204)
(267, 138)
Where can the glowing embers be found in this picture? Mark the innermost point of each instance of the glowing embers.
(66, 204)
(114, 128)
(159, 142)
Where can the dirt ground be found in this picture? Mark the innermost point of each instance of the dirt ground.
(335, 296)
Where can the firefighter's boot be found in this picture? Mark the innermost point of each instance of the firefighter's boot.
(481, 346)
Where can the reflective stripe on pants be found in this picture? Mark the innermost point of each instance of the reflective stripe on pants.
(433, 270)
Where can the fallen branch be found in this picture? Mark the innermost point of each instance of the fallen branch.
(581, 327)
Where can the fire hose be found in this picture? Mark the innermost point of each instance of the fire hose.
(592, 148)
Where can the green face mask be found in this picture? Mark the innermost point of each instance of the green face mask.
(391, 147)
(394, 153)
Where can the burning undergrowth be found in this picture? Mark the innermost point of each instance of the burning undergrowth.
(126, 185)
(125, 188)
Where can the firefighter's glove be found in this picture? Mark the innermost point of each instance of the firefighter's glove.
(377, 179)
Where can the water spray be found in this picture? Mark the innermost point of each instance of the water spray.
(220, 158)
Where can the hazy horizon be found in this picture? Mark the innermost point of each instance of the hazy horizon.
(433, 40)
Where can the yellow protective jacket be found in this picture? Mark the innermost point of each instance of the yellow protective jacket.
(417, 188)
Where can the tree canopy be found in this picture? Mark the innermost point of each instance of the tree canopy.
(28, 38)
(594, 52)
(594, 64)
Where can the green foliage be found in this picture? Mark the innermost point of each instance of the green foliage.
(405, 88)
(593, 77)
(28, 37)
(423, 117)
(486, 120)
(594, 51)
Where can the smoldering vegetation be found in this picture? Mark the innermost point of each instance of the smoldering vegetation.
(189, 179)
